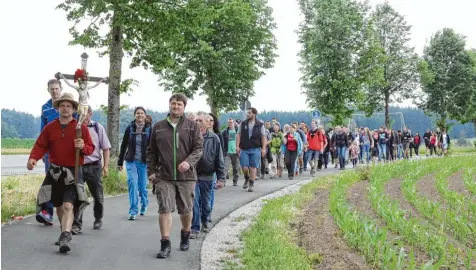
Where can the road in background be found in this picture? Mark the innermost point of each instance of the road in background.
(16, 164)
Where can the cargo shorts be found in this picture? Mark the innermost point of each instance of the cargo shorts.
(175, 194)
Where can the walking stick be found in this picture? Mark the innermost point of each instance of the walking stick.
(79, 135)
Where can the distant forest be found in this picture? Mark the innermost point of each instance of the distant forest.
(23, 125)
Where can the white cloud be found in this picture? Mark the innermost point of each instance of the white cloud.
(35, 46)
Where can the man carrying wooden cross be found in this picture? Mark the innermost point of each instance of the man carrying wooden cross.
(58, 139)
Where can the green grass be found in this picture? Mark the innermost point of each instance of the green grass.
(19, 192)
(16, 143)
(269, 243)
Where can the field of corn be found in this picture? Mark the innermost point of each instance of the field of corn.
(418, 214)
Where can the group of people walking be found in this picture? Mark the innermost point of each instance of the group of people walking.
(187, 158)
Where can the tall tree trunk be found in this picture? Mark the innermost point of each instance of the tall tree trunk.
(115, 71)
(474, 126)
(387, 114)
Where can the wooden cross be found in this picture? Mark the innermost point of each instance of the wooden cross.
(84, 62)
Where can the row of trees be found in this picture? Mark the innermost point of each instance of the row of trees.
(216, 48)
(22, 125)
(354, 58)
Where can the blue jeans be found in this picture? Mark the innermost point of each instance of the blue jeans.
(313, 158)
(382, 151)
(212, 195)
(399, 150)
(137, 185)
(341, 152)
(201, 204)
(366, 152)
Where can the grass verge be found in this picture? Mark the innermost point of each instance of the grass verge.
(269, 243)
(19, 192)
(16, 151)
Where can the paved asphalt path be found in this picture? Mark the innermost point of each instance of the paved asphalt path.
(16, 164)
(122, 244)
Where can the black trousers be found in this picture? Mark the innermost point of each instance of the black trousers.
(291, 157)
(92, 175)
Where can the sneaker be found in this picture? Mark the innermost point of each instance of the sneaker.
(58, 241)
(251, 187)
(235, 184)
(194, 234)
(205, 228)
(262, 176)
(75, 229)
(45, 218)
(143, 212)
(164, 249)
(184, 240)
(97, 224)
(64, 240)
(132, 217)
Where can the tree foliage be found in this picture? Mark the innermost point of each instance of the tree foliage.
(339, 57)
(399, 61)
(223, 48)
(447, 73)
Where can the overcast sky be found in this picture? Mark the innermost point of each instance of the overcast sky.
(35, 39)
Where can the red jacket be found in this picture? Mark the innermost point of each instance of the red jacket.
(59, 144)
(317, 141)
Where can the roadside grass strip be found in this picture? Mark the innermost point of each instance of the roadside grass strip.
(363, 233)
(269, 241)
(416, 231)
(19, 192)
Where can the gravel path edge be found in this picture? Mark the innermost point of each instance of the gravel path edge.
(223, 241)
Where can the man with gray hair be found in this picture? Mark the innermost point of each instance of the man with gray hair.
(92, 168)
(211, 162)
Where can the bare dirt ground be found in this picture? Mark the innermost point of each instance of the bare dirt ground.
(318, 234)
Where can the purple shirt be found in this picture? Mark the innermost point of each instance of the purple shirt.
(100, 141)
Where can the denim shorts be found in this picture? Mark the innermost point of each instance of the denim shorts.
(250, 158)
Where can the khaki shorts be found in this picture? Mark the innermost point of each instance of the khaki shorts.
(171, 193)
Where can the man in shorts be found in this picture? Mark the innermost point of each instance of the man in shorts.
(251, 146)
(175, 148)
(58, 139)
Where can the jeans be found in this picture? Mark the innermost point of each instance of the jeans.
(211, 198)
(201, 204)
(137, 185)
(313, 156)
(399, 150)
(382, 151)
(341, 152)
(366, 153)
(92, 176)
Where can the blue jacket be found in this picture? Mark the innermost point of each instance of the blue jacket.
(299, 146)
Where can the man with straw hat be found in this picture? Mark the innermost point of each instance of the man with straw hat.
(58, 138)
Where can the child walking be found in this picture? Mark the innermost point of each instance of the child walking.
(354, 152)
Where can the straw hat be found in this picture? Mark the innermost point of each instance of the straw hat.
(66, 97)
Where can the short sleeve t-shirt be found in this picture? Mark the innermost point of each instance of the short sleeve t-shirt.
(232, 141)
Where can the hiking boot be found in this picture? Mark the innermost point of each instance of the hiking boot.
(184, 240)
(194, 234)
(58, 241)
(164, 249)
(205, 228)
(245, 185)
(235, 183)
(75, 229)
(64, 240)
(97, 224)
(132, 217)
(262, 176)
(251, 187)
(45, 218)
